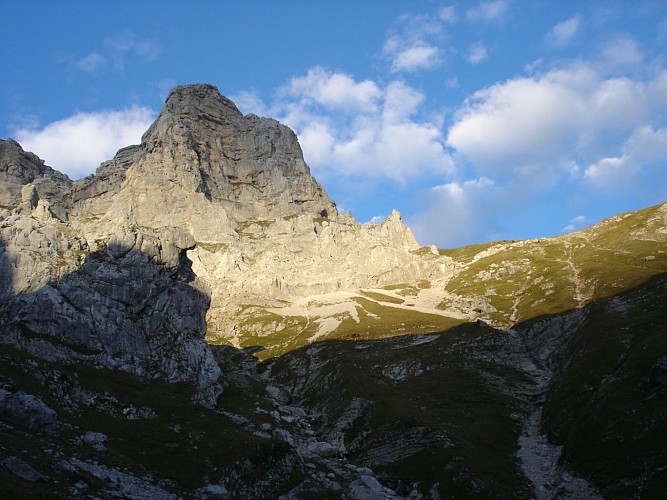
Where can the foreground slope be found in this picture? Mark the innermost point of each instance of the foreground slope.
(415, 416)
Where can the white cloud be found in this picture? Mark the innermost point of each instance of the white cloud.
(645, 148)
(488, 11)
(335, 90)
(477, 53)
(359, 129)
(414, 44)
(78, 144)
(248, 101)
(622, 53)
(550, 121)
(92, 63)
(610, 173)
(459, 213)
(575, 224)
(415, 58)
(564, 33)
(647, 145)
(518, 122)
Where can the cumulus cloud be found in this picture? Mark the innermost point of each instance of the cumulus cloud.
(487, 11)
(546, 123)
(414, 43)
(645, 148)
(78, 144)
(415, 58)
(564, 33)
(359, 129)
(610, 173)
(521, 121)
(336, 91)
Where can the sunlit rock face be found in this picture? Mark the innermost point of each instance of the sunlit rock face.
(266, 232)
(213, 211)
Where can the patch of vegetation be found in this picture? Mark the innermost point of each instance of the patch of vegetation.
(244, 228)
(467, 253)
(380, 321)
(553, 275)
(407, 290)
(212, 247)
(381, 297)
(274, 333)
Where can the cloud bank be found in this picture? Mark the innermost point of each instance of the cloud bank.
(78, 144)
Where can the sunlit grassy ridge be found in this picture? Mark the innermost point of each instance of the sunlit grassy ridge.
(502, 283)
(280, 334)
(526, 279)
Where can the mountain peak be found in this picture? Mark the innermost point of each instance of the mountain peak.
(200, 101)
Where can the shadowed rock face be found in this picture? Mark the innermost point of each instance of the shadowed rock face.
(135, 306)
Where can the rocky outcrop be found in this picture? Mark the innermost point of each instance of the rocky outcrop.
(104, 184)
(204, 164)
(19, 168)
(133, 305)
(26, 410)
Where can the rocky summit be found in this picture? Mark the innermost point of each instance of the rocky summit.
(200, 296)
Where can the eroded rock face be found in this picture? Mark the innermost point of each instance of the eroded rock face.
(19, 168)
(266, 233)
(133, 305)
(213, 208)
(202, 162)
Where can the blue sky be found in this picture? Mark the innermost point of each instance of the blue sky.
(499, 119)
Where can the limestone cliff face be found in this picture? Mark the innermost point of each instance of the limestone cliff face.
(265, 229)
(203, 165)
(212, 212)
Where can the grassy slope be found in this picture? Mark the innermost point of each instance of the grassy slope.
(519, 279)
(187, 445)
(448, 426)
(523, 280)
(279, 334)
(608, 402)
